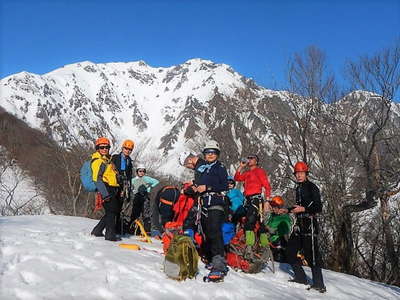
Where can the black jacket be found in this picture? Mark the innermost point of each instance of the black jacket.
(215, 178)
(116, 159)
(308, 196)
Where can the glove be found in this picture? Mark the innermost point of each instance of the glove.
(99, 202)
(155, 233)
(189, 232)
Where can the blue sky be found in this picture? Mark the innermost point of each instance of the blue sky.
(255, 37)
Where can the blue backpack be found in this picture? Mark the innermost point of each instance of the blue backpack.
(86, 176)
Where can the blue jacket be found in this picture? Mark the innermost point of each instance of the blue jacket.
(144, 181)
(214, 177)
(236, 197)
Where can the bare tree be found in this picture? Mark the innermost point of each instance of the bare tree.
(311, 86)
(296, 122)
(374, 136)
(18, 194)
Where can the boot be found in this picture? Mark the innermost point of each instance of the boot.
(299, 275)
(219, 264)
(321, 289)
(318, 282)
(98, 229)
(110, 228)
(214, 276)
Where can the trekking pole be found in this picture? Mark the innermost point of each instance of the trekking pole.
(312, 240)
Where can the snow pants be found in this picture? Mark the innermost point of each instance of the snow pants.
(141, 207)
(108, 221)
(211, 222)
(298, 242)
(252, 213)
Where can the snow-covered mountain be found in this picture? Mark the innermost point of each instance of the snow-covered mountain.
(164, 110)
(54, 257)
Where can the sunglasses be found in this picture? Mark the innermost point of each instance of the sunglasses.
(104, 147)
(128, 149)
(251, 157)
(141, 171)
(210, 152)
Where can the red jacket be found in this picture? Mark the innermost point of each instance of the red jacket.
(254, 180)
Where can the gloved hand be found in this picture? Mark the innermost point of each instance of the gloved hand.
(155, 233)
(189, 232)
(107, 198)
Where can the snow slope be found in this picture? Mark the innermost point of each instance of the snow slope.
(54, 257)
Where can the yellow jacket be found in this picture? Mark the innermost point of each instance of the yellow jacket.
(103, 170)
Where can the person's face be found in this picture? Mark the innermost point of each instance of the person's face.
(141, 172)
(210, 156)
(252, 161)
(301, 176)
(231, 185)
(275, 209)
(189, 163)
(126, 151)
(103, 149)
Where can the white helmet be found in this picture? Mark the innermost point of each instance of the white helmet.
(212, 145)
(183, 156)
(140, 167)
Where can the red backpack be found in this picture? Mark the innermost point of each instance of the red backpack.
(181, 209)
(235, 256)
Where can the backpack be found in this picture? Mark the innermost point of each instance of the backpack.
(182, 207)
(181, 261)
(167, 191)
(86, 176)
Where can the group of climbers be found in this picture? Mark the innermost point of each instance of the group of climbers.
(115, 185)
(288, 231)
(214, 202)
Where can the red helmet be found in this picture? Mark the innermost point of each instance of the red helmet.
(300, 166)
(102, 140)
(277, 201)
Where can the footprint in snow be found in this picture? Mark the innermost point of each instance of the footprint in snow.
(30, 278)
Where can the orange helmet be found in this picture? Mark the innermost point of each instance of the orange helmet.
(277, 201)
(128, 144)
(300, 166)
(102, 140)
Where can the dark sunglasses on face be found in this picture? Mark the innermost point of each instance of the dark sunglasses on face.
(128, 149)
(104, 147)
(251, 157)
(210, 152)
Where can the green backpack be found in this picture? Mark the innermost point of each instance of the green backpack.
(182, 259)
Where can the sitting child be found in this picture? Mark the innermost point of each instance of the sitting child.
(279, 225)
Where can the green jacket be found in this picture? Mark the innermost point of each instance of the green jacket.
(279, 226)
